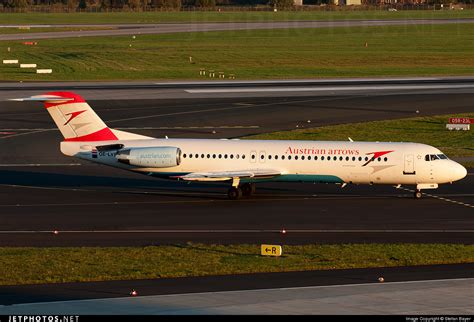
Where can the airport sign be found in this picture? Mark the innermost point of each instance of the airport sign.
(271, 250)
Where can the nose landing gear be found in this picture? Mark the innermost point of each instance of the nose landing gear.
(417, 194)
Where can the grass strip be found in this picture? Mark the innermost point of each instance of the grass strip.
(422, 50)
(430, 130)
(224, 16)
(78, 264)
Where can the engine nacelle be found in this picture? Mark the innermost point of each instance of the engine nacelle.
(157, 157)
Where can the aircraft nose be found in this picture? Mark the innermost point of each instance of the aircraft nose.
(458, 171)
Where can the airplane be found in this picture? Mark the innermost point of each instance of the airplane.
(243, 163)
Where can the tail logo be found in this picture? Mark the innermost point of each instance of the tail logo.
(73, 115)
(375, 155)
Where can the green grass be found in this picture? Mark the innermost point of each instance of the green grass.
(426, 129)
(255, 54)
(224, 16)
(54, 265)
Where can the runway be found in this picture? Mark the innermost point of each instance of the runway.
(42, 191)
(46, 297)
(167, 28)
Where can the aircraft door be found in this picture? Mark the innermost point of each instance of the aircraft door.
(409, 167)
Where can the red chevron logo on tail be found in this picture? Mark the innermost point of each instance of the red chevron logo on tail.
(74, 115)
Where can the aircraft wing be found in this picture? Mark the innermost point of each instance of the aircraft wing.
(229, 175)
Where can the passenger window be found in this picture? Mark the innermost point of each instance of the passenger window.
(309, 157)
(184, 155)
(334, 158)
(322, 158)
(353, 158)
(190, 155)
(220, 156)
(253, 156)
(243, 156)
(316, 158)
(269, 157)
(231, 156)
(340, 158)
(237, 156)
(202, 155)
(347, 158)
(225, 156)
(289, 157)
(427, 157)
(366, 159)
(213, 156)
(276, 157)
(197, 155)
(385, 159)
(283, 157)
(360, 158)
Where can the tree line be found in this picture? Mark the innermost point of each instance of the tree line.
(136, 4)
(177, 4)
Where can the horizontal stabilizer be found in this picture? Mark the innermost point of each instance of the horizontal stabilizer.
(43, 98)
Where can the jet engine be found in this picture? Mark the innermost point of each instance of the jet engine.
(156, 157)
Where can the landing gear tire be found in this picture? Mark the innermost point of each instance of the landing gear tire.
(248, 189)
(234, 193)
(418, 194)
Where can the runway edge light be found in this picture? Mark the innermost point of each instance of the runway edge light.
(271, 250)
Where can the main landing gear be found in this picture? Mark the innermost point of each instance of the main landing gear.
(237, 192)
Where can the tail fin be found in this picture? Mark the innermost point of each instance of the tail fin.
(76, 120)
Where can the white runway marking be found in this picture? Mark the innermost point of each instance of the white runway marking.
(233, 108)
(180, 193)
(249, 231)
(441, 198)
(26, 133)
(323, 88)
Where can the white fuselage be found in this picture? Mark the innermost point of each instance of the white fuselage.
(313, 161)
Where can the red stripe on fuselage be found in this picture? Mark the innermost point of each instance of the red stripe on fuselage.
(375, 156)
(103, 135)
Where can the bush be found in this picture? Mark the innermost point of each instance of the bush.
(205, 3)
(282, 4)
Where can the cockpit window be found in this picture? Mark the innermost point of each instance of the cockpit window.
(434, 157)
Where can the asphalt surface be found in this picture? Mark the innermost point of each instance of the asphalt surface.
(42, 191)
(199, 27)
(114, 289)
